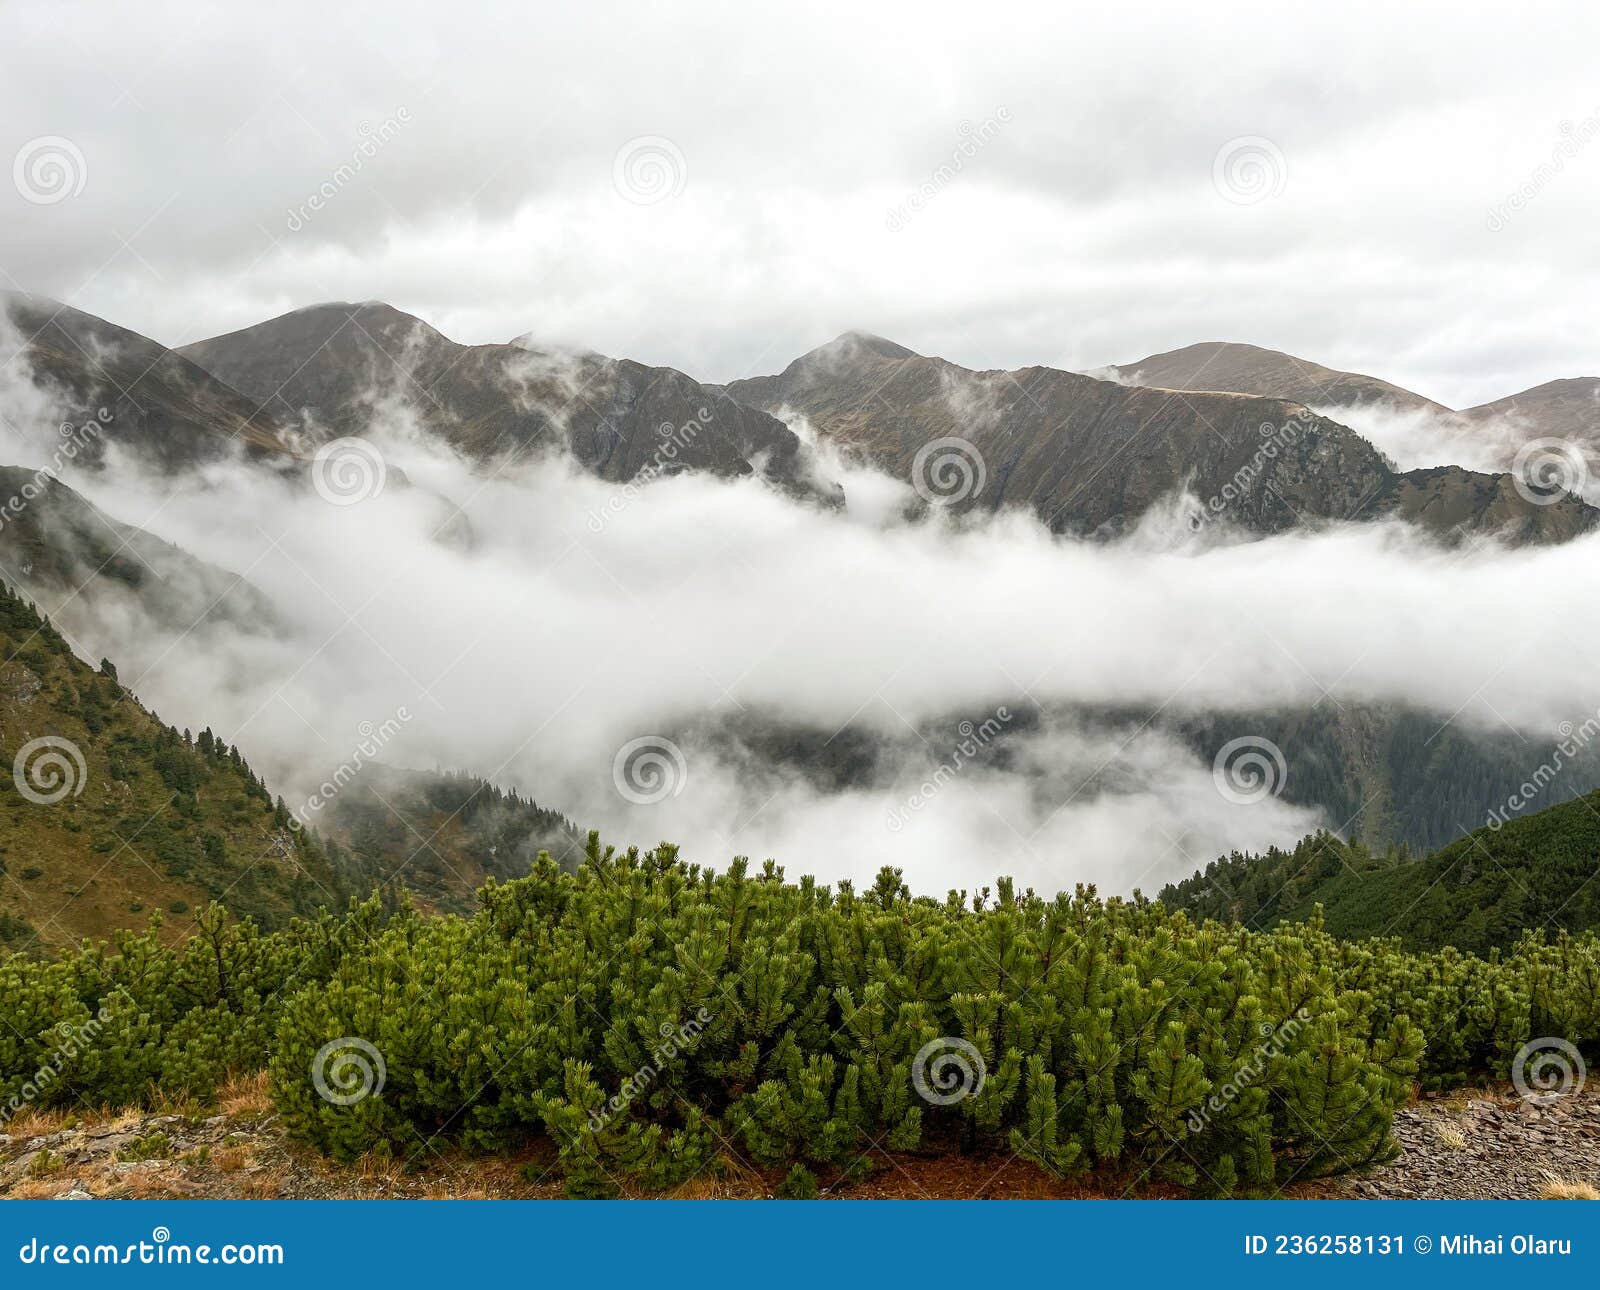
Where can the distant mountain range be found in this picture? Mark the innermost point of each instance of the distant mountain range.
(1565, 409)
(329, 369)
(1091, 456)
(149, 398)
(1251, 435)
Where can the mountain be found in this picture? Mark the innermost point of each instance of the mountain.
(1249, 369)
(1387, 776)
(1559, 409)
(107, 814)
(1565, 409)
(86, 371)
(57, 547)
(1091, 456)
(330, 369)
(442, 836)
(1478, 893)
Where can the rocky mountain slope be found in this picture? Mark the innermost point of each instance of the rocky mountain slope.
(1091, 456)
(63, 551)
(84, 370)
(331, 368)
(1249, 369)
(1565, 409)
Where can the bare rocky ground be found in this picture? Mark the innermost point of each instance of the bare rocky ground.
(1482, 1145)
(1487, 1145)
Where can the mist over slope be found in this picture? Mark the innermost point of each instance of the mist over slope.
(703, 656)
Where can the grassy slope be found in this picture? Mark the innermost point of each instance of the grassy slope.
(1479, 892)
(155, 824)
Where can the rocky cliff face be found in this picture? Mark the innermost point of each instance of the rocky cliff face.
(1092, 456)
(330, 370)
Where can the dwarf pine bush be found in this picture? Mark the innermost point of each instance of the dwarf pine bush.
(648, 1016)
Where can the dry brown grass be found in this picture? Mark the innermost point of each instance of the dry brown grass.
(1450, 1137)
(452, 1193)
(246, 1095)
(269, 1184)
(31, 1122)
(36, 1189)
(1568, 1189)
(230, 1160)
(156, 1185)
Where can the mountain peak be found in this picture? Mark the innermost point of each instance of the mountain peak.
(853, 342)
(1233, 367)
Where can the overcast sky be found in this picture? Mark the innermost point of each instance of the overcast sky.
(721, 187)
